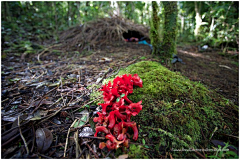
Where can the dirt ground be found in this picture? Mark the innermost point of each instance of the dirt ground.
(21, 82)
(217, 72)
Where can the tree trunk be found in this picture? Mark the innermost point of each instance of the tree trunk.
(115, 9)
(198, 19)
(155, 39)
(170, 29)
(78, 11)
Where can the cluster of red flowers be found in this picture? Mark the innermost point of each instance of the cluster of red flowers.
(116, 123)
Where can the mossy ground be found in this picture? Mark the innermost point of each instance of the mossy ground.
(178, 113)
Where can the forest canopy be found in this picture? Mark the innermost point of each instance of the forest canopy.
(207, 22)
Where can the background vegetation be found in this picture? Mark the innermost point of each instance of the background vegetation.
(212, 23)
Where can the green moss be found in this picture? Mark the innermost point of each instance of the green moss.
(95, 94)
(179, 107)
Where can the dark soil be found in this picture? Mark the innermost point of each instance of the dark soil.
(217, 72)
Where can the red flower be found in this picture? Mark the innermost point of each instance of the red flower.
(112, 118)
(115, 96)
(104, 108)
(113, 141)
(133, 125)
(135, 108)
(116, 105)
(116, 130)
(110, 145)
(98, 119)
(136, 80)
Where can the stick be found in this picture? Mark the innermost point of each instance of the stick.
(96, 156)
(25, 143)
(86, 104)
(77, 144)
(55, 112)
(4, 144)
(102, 138)
(46, 49)
(69, 129)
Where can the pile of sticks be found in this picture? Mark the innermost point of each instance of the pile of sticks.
(99, 32)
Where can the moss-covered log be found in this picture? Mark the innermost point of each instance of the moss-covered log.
(170, 29)
(178, 113)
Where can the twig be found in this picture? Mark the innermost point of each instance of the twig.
(13, 138)
(96, 156)
(82, 152)
(25, 143)
(39, 104)
(114, 73)
(5, 100)
(104, 75)
(54, 112)
(228, 135)
(198, 153)
(203, 134)
(78, 149)
(46, 49)
(102, 138)
(52, 152)
(45, 156)
(69, 129)
(86, 104)
(33, 139)
(216, 128)
(108, 153)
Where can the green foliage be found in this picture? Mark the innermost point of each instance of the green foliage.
(176, 110)
(223, 153)
(219, 27)
(137, 151)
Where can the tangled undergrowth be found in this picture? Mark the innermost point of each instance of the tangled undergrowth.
(179, 113)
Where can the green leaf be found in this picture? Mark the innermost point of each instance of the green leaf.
(87, 106)
(118, 99)
(133, 147)
(143, 141)
(122, 95)
(146, 146)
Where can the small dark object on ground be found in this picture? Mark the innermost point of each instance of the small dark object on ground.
(176, 59)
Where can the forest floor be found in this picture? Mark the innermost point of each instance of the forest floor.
(30, 87)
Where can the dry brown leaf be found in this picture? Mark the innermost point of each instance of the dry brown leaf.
(124, 156)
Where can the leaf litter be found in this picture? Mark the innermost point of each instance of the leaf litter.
(53, 96)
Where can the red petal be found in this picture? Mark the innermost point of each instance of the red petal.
(110, 145)
(111, 120)
(136, 80)
(117, 129)
(101, 129)
(102, 145)
(104, 108)
(134, 128)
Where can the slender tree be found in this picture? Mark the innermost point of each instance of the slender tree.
(155, 39)
(198, 18)
(168, 46)
(170, 29)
